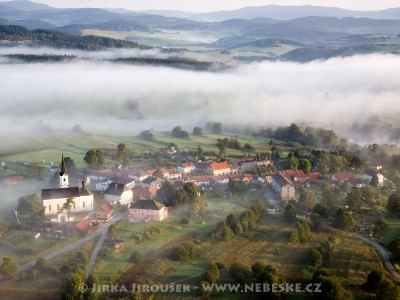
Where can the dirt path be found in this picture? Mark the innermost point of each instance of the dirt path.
(384, 255)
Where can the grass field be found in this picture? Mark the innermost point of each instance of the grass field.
(392, 232)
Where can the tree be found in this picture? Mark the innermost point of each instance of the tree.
(316, 258)
(167, 193)
(9, 267)
(239, 272)
(158, 173)
(4, 227)
(307, 200)
(374, 278)
(68, 205)
(122, 154)
(31, 207)
(178, 132)
(367, 194)
(375, 180)
(90, 281)
(305, 165)
(136, 257)
(344, 220)
(72, 285)
(94, 158)
(353, 199)
(234, 224)
(294, 236)
(147, 135)
(217, 128)
(394, 248)
(290, 213)
(329, 198)
(293, 163)
(393, 205)
(69, 163)
(198, 131)
(322, 210)
(199, 151)
(387, 290)
(221, 145)
(211, 273)
(41, 263)
(222, 232)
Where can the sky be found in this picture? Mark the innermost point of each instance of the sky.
(213, 5)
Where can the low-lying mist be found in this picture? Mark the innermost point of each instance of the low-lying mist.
(97, 95)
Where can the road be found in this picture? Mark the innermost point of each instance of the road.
(102, 230)
(382, 252)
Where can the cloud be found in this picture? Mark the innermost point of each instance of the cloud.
(96, 94)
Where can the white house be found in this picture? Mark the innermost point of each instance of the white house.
(118, 192)
(369, 174)
(221, 168)
(54, 199)
(186, 168)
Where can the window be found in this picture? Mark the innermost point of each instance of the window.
(58, 206)
(49, 207)
(83, 204)
(64, 179)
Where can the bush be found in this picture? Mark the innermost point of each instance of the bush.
(184, 252)
(220, 265)
(184, 221)
(211, 273)
(136, 257)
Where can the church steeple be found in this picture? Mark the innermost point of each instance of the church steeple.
(63, 168)
(64, 181)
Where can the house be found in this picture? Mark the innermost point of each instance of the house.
(13, 179)
(137, 175)
(220, 179)
(153, 182)
(144, 194)
(295, 175)
(101, 175)
(358, 182)
(313, 176)
(186, 168)
(221, 168)
(249, 164)
(105, 212)
(342, 176)
(85, 226)
(118, 192)
(283, 186)
(246, 178)
(178, 184)
(174, 174)
(148, 209)
(200, 180)
(54, 199)
(369, 174)
(126, 180)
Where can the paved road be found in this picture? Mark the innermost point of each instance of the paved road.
(74, 245)
(382, 252)
(103, 231)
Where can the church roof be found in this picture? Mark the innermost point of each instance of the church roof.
(60, 193)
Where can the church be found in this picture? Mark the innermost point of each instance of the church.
(54, 199)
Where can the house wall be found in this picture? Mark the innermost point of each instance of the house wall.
(154, 215)
(125, 198)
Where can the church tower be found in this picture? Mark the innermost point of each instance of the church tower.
(64, 182)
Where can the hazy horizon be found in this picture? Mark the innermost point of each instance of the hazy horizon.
(210, 6)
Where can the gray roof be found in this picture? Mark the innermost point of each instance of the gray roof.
(115, 189)
(147, 204)
(60, 193)
(281, 180)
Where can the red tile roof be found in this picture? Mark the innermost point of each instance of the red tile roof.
(85, 226)
(343, 175)
(220, 166)
(107, 208)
